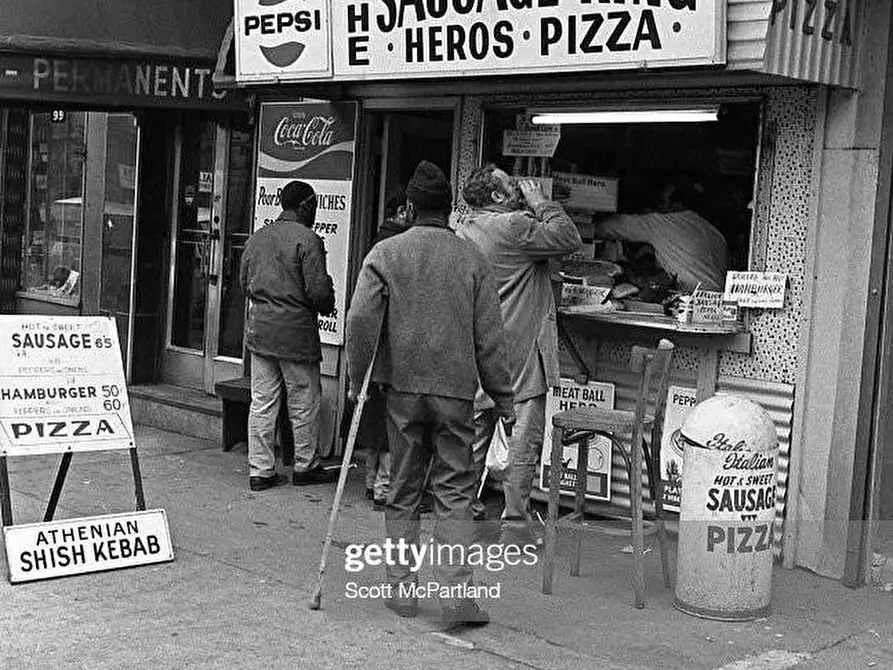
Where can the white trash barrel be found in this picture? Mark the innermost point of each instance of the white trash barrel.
(726, 515)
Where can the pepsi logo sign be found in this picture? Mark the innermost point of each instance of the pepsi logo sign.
(283, 36)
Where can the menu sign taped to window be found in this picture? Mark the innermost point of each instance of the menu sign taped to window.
(89, 544)
(680, 401)
(586, 192)
(62, 386)
(571, 394)
(756, 289)
(539, 143)
(424, 38)
(313, 142)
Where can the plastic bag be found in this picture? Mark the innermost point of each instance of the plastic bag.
(498, 453)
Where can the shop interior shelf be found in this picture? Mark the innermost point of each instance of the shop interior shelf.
(654, 322)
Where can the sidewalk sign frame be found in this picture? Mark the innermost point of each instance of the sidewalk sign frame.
(61, 474)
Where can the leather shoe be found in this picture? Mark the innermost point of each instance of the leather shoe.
(467, 613)
(264, 483)
(404, 607)
(314, 476)
(379, 504)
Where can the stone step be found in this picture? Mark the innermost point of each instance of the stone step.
(177, 409)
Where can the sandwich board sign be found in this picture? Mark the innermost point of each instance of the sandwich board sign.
(62, 390)
(62, 386)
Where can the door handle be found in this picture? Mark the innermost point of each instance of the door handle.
(212, 280)
(215, 235)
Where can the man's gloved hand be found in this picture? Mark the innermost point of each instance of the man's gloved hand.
(508, 419)
(352, 394)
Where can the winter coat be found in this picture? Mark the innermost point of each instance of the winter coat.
(443, 327)
(519, 245)
(284, 276)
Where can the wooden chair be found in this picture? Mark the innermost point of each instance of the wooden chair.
(577, 426)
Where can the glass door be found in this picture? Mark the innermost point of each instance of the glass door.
(209, 229)
(232, 220)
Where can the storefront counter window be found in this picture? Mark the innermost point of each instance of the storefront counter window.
(54, 225)
(666, 206)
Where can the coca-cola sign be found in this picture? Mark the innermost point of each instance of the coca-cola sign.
(306, 136)
(300, 132)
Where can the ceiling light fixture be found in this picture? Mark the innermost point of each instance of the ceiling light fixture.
(693, 115)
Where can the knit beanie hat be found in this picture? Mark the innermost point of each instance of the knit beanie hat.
(429, 189)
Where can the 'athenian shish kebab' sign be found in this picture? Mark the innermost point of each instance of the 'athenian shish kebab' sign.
(90, 544)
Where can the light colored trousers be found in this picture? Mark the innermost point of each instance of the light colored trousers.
(269, 376)
(378, 472)
(525, 446)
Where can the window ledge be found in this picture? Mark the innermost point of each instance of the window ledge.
(45, 297)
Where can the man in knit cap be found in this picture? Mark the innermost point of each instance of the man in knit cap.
(284, 275)
(434, 299)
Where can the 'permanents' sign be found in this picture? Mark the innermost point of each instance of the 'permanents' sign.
(372, 39)
(62, 386)
(90, 544)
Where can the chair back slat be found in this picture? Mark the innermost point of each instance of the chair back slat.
(654, 367)
(662, 363)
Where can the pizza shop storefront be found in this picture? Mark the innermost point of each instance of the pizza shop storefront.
(588, 100)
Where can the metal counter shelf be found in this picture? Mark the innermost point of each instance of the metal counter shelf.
(707, 338)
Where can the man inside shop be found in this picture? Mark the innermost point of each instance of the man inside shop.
(686, 245)
(433, 298)
(284, 275)
(520, 232)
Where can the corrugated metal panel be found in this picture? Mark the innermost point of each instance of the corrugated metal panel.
(747, 21)
(791, 52)
(777, 399)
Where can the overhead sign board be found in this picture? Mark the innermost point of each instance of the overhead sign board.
(89, 544)
(62, 386)
(815, 41)
(282, 40)
(143, 83)
(315, 143)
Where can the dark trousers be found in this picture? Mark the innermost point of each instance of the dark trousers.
(450, 424)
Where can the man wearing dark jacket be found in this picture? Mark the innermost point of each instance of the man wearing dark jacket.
(284, 276)
(434, 299)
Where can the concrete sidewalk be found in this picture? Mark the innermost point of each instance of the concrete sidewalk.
(235, 596)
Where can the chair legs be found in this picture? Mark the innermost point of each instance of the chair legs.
(657, 496)
(656, 486)
(634, 461)
(580, 500)
(552, 519)
(635, 494)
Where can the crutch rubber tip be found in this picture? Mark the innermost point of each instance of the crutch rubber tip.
(315, 601)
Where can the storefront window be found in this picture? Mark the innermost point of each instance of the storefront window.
(118, 216)
(237, 230)
(54, 227)
(669, 203)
